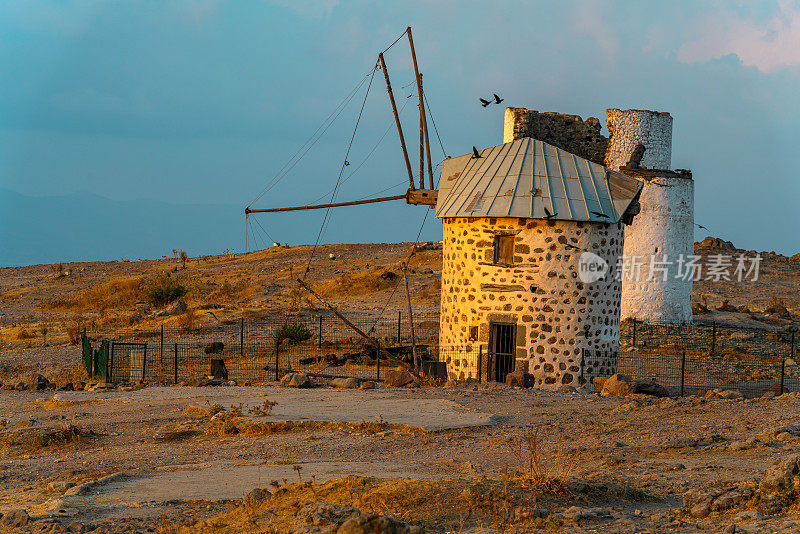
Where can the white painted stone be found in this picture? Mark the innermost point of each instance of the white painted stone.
(630, 127)
(663, 231)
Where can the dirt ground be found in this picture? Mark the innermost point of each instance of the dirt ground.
(634, 458)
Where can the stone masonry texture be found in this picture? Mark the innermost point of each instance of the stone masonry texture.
(555, 313)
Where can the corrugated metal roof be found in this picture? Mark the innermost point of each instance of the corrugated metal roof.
(526, 177)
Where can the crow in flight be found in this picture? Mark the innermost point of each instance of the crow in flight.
(701, 226)
(497, 99)
(475, 153)
(484, 102)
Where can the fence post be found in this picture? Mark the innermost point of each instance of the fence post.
(241, 338)
(791, 347)
(683, 371)
(480, 364)
(175, 362)
(277, 351)
(161, 346)
(713, 337)
(319, 345)
(583, 359)
(399, 319)
(378, 365)
(144, 361)
(110, 363)
(783, 372)
(634, 331)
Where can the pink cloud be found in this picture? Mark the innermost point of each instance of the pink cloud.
(768, 45)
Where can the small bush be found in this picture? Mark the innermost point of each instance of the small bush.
(294, 332)
(24, 334)
(164, 290)
(62, 436)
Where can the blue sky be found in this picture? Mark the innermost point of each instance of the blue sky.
(202, 102)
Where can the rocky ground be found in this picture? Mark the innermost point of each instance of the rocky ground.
(613, 464)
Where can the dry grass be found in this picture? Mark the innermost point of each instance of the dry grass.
(359, 282)
(35, 440)
(538, 473)
(114, 294)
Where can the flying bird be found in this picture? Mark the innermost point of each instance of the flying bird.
(572, 246)
(497, 99)
(475, 153)
(701, 226)
(484, 102)
(548, 214)
(599, 214)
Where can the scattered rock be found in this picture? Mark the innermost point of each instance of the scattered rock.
(780, 486)
(296, 380)
(520, 379)
(15, 519)
(69, 386)
(398, 379)
(377, 524)
(616, 385)
(701, 502)
(256, 496)
(367, 384)
(576, 513)
(649, 387)
(720, 393)
(345, 383)
(176, 308)
(60, 485)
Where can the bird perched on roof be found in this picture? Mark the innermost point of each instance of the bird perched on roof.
(484, 102)
(549, 215)
(475, 153)
(497, 99)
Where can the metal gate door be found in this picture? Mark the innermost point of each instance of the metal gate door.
(502, 345)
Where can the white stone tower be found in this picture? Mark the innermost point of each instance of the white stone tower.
(662, 234)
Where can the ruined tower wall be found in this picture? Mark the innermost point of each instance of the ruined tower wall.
(629, 127)
(661, 234)
(556, 314)
(568, 132)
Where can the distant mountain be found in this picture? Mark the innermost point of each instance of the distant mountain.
(84, 227)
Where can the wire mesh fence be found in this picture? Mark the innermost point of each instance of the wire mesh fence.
(266, 348)
(687, 359)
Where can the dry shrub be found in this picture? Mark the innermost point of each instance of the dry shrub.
(74, 329)
(114, 294)
(31, 439)
(23, 333)
(358, 283)
(432, 293)
(537, 473)
(186, 320)
(164, 289)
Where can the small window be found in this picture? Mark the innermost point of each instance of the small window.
(504, 249)
(473, 333)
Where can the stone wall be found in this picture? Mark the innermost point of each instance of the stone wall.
(557, 315)
(662, 232)
(568, 132)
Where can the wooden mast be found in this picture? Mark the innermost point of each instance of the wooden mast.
(397, 120)
(423, 119)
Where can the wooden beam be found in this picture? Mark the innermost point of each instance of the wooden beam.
(397, 120)
(369, 339)
(423, 119)
(321, 206)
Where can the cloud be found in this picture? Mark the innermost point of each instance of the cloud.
(766, 45)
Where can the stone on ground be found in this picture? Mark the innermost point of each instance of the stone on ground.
(345, 383)
(398, 379)
(296, 380)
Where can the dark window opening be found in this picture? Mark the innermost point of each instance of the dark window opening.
(502, 344)
(504, 249)
(473, 333)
